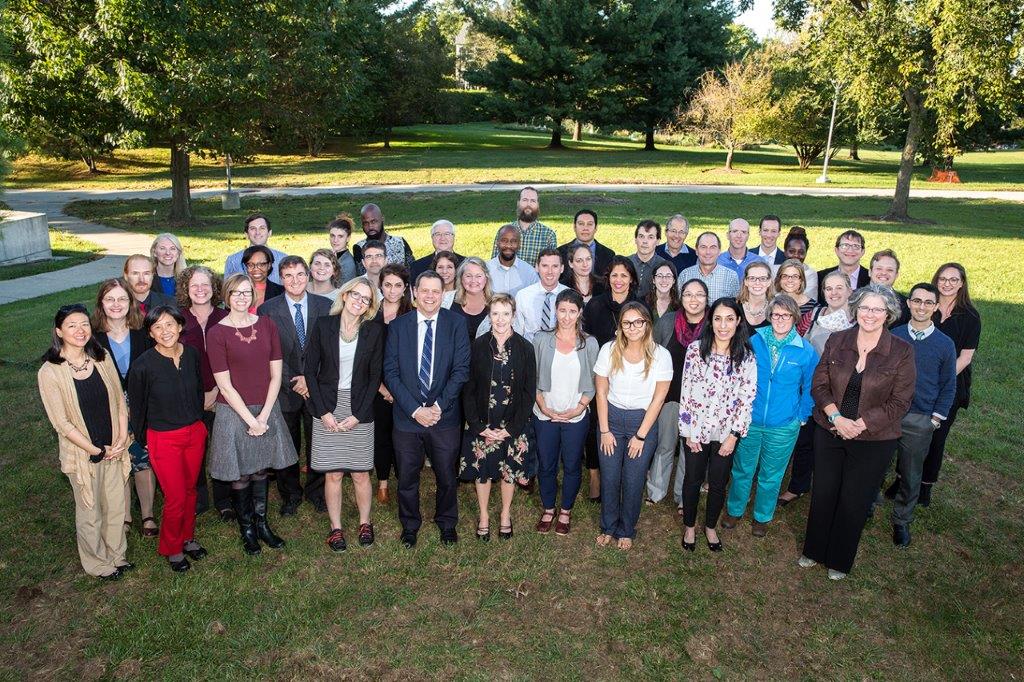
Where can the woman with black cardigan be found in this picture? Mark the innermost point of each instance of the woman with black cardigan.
(344, 360)
(497, 402)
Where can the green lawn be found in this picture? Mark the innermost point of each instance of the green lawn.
(542, 607)
(68, 250)
(486, 153)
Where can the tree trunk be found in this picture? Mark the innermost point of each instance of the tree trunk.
(649, 139)
(854, 156)
(556, 135)
(181, 197)
(728, 158)
(387, 137)
(901, 197)
(577, 131)
(90, 161)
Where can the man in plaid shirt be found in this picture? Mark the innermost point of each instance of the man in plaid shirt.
(534, 236)
(720, 280)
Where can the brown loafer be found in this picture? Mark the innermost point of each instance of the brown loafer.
(149, 532)
(544, 527)
(382, 495)
(758, 529)
(729, 522)
(562, 528)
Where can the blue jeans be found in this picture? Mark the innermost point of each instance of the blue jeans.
(623, 477)
(560, 442)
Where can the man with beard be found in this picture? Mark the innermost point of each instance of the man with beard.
(442, 236)
(138, 272)
(258, 232)
(534, 236)
(508, 272)
(396, 249)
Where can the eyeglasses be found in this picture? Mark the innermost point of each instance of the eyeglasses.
(443, 234)
(634, 324)
(781, 317)
(359, 298)
(240, 293)
(257, 265)
(120, 299)
(699, 295)
(873, 311)
(760, 280)
(664, 275)
(926, 302)
(789, 277)
(949, 280)
(850, 246)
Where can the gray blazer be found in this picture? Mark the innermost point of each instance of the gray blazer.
(664, 328)
(293, 355)
(544, 348)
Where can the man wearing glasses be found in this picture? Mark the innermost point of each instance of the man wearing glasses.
(849, 249)
(677, 228)
(257, 230)
(442, 236)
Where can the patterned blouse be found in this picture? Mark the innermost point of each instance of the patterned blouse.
(715, 399)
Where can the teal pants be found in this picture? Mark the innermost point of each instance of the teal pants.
(764, 452)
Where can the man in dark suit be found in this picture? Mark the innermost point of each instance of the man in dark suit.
(584, 224)
(442, 236)
(426, 363)
(769, 229)
(849, 249)
(139, 271)
(294, 312)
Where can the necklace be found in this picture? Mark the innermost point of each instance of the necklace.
(76, 368)
(246, 339)
(756, 313)
(347, 338)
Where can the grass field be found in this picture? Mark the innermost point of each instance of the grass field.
(68, 250)
(542, 606)
(486, 153)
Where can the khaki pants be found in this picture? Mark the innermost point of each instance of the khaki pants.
(100, 530)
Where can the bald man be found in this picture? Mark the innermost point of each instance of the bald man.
(396, 249)
(737, 257)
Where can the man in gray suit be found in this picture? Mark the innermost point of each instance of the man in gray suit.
(294, 312)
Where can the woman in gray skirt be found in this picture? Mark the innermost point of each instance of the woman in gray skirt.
(249, 433)
(344, 360)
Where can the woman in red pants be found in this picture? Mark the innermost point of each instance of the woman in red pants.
(166, 397)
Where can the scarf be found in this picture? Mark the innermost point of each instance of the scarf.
(833, 322)
(774, 343)
(684, 334)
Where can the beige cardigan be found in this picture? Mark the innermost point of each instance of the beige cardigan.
(57, 390)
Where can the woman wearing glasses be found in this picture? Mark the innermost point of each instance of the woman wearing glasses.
(632, 375)
(663, 298)
(344, 359)
(258, 262)
(715, 401)
(785, 367)
(249, 433)
(755, 291)
(862, 388)
(792, 280)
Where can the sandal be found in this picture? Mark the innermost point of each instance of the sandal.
(149, 532)
(603, 540)
(625, 544)
(483, 533)
(505, 532)
(546, 521)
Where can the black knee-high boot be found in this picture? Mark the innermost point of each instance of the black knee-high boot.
(259, 508)
(241, 498)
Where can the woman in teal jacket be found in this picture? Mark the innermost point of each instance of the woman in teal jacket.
(785, 367)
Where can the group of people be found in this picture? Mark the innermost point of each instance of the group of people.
(715, 368)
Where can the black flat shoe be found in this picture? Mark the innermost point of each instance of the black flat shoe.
(196, 554)
(449, 536)
(505, 532)
(227, 515)
(126, 566)
(782, 501)
(901, 536)
(180, 566)
(483, 534)
(408, 539)
(111, 577)
(714, 546)
(690, 546)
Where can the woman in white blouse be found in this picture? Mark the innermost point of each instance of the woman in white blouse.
(632, 375)
(718, 388)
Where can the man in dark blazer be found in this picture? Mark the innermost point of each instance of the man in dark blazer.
(849, 250)
(295, 312)
(584, 224)
(426, 363)
(769, 228)
(139, 271)
(442, 236)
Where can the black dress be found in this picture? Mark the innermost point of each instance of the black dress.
(472, 321)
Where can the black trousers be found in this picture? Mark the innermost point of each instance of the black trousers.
(442, 447)
(383, 443)
(803, 459)
(705, 462)
(847, 476)
(221, 489)
(933, 462)
(289, 484)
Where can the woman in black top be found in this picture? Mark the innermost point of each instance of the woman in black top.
(497, 402)
(957, 318)
(472, 293)
(117, 326)
(166, 394)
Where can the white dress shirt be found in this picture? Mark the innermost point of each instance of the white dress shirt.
(530, 309)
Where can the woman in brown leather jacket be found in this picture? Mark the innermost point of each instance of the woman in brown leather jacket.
(862, 389)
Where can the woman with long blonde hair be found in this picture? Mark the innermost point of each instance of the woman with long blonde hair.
(632, 375)
(169, 257)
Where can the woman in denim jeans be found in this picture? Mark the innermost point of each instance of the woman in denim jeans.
(632, 376)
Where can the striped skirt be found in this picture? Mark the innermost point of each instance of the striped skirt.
(344, 451)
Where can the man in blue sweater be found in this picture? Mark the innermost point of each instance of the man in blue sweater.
(935, 357)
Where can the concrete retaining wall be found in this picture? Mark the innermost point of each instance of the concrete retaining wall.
(24, 237)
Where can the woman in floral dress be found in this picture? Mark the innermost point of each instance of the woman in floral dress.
(497, 402)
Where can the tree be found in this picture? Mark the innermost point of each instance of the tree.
(952, 59)
(729, 109)
(551, 68)
(661, 49)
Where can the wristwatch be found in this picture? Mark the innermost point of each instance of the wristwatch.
(737, 434)
(832, 417)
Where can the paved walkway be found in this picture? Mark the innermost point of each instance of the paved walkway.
(119, 243)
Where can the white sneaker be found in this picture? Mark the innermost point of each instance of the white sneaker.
(835, 575)
(804, 562)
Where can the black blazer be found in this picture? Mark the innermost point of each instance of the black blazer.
(602, 258)
(280, 311)
(322, 367)
(421, 265)
(863, 279)
(159, 298)
(477, 392)
(140, 341)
